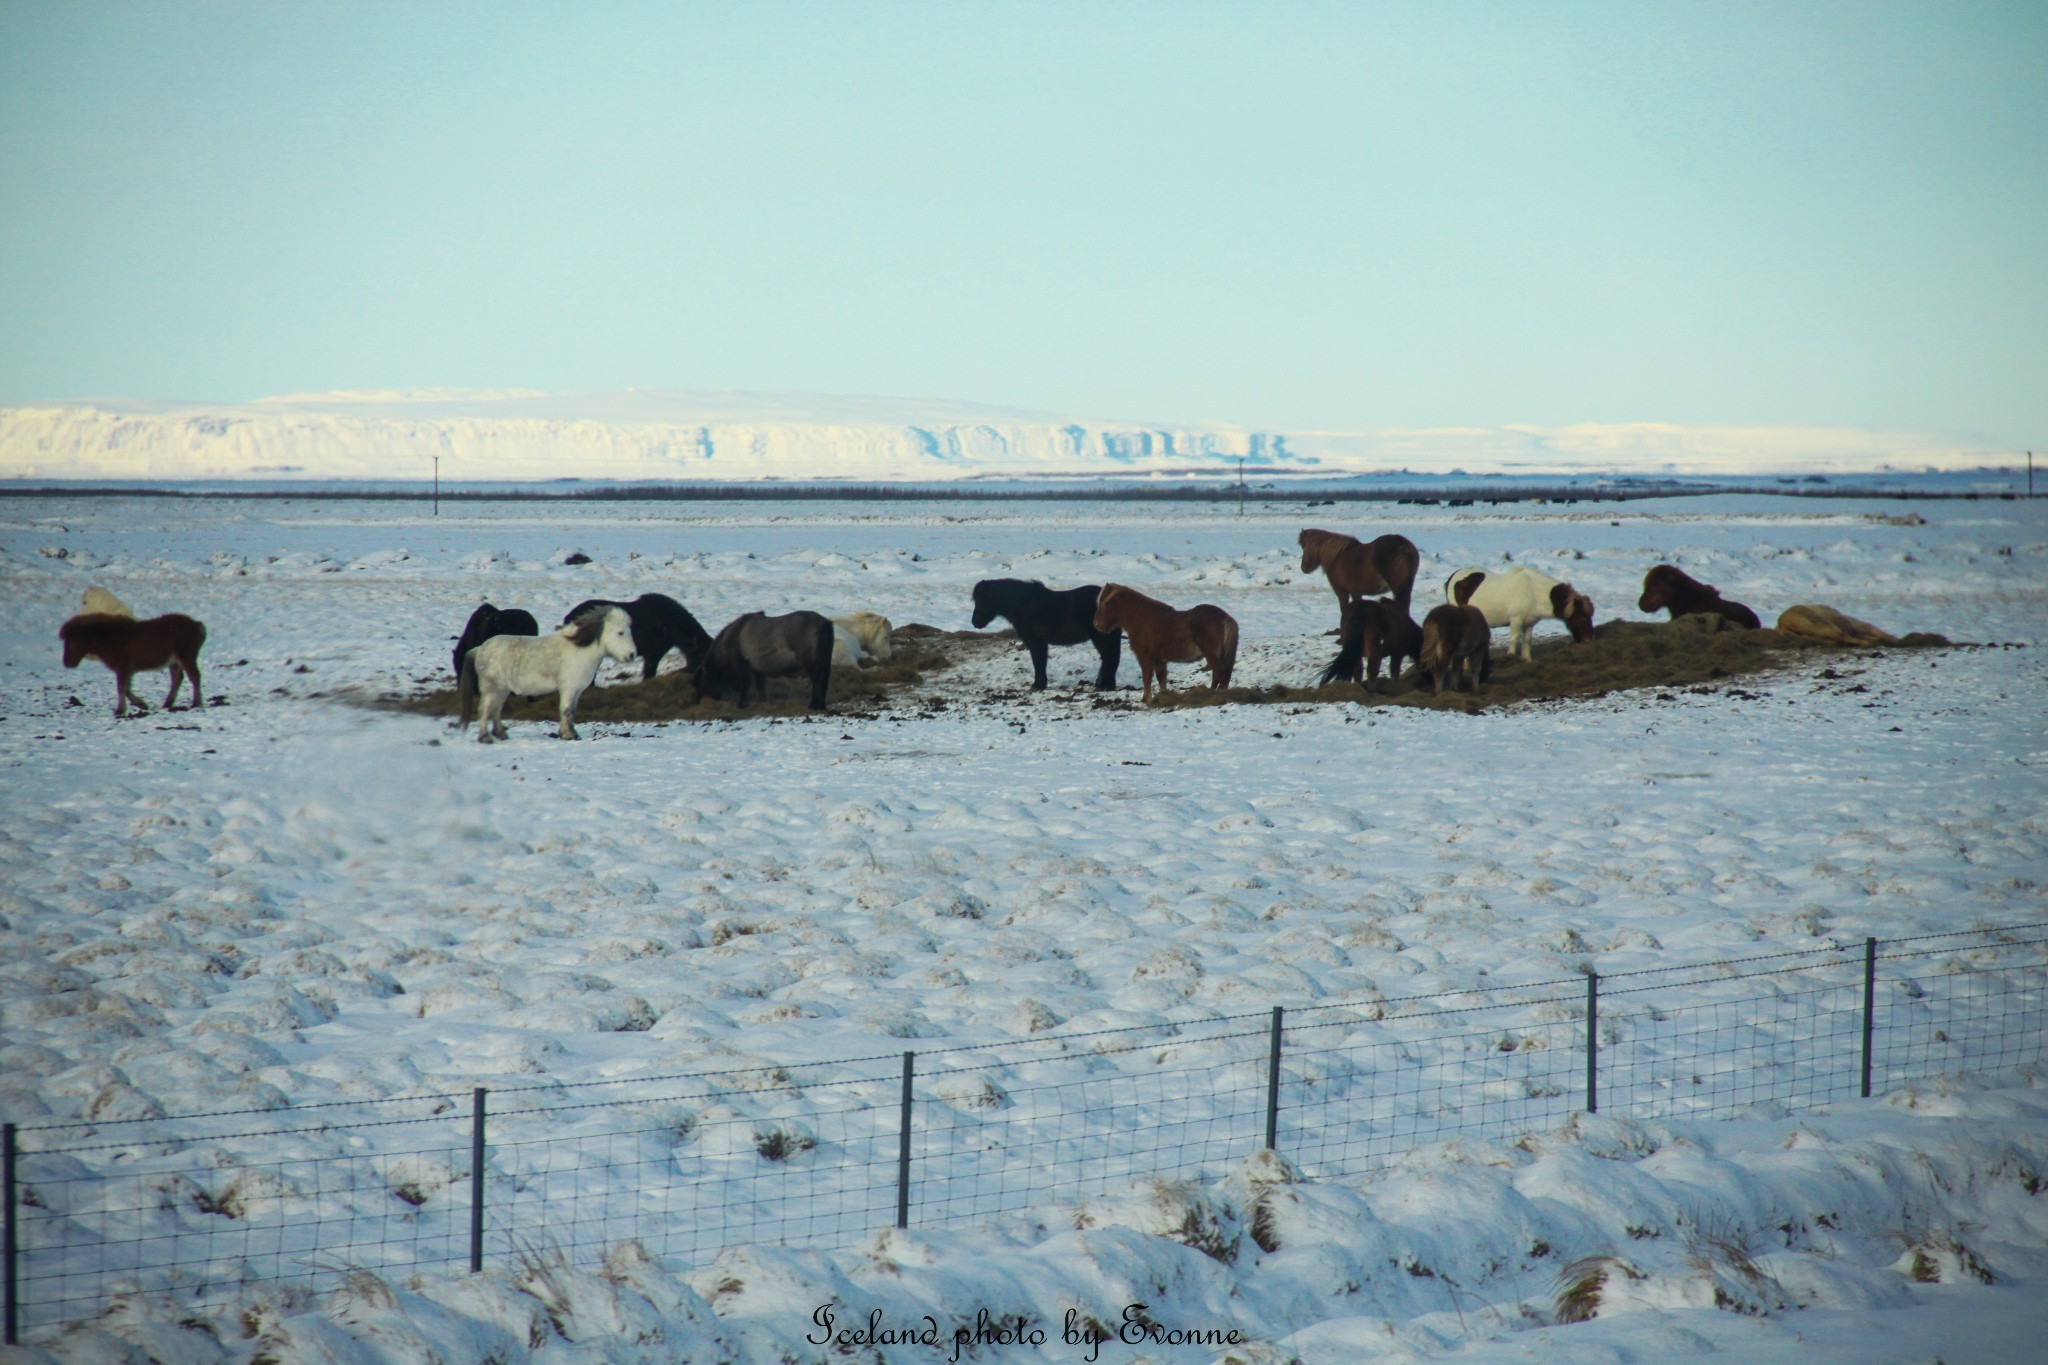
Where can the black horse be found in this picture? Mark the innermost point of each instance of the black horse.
(756, 647)
(660, 624)
(487, 621)
(1375, 628)
(1043, 617)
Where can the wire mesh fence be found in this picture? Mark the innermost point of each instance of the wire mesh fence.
(201, 1207)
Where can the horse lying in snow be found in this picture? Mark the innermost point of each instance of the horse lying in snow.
(1374, 629)
(860, 635)
(564, 663)
(128, 647)
(1161, 635)
(1356, 568)
(756, 647)
(1816, 622)
(487, 621)
(1518, 598)
(1457, 647)
(99, 602)
(660, 624)
(1666, 586)
(1043, 617)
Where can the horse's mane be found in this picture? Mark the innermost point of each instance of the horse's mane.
(585, 629)
(1324, 544)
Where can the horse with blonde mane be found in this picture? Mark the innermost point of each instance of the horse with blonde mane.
(564, 663)
(1160, 635)
(1357, 568)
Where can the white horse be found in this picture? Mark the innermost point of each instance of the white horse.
(860, 635)
(99, 602)
(1518, 598)
(565, 662)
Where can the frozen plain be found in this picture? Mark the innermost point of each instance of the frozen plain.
(406, 914)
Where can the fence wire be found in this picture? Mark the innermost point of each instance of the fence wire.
(201, 1208)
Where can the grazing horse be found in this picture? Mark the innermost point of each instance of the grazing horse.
(1374, 629)
(1666, 586)
(564, 663)
(1518, 598)
(1356, 568)
(861, 635)
(1161, 635)
(756, 647)
(1457, 645)
(128, 646)
(660, 624)
(100, 602)
(487, 621)
(1043, 618)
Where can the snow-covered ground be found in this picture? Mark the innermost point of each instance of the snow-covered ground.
(291, 899)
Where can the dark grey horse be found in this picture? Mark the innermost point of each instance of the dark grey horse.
(487, 621)
(756, 647)
(1043, 618)
(660, 624)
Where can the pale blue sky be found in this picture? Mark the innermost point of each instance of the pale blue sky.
(1284, 215)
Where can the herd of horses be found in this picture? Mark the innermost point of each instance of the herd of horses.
(502, 653)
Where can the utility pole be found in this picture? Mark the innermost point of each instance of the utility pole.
(1240, 483)
(437, 485)
(2030, 473)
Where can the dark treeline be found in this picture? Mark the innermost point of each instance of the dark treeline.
(1464, 495)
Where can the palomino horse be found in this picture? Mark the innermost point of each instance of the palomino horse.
(128, 647)
(1518, 598)
(660, 624)
(1160, 635)
(487, 621)
(861, 635)
(1457, 646)
(1665, 586)
(756, 647)
(100, 602)
(1374, 629)
(1356, 568)
(563, 663)
(1042, 617)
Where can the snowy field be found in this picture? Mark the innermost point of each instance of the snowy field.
(296, 899)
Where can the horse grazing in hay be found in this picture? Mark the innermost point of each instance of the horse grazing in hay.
(660, 624)
(564, 663)
(487, 621)
(1374, 629)
(1043, 617)
(100, 602)
(1357, 568)
(1457, 645)
(1161, 635)
(128, 646)
(861, 635)
(756, 647)
(1666, 586)
(1518, 598)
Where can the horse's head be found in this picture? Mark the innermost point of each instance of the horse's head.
(984, 609)
(1311, 542)
(617, 634)
(1108, 607)
(74, 644)
(1573, 608)
(1661, 586)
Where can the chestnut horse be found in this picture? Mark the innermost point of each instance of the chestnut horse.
(1358, 569)
(1160, 635)
(1373, 630)
(1665, 586)
(1457, 646)
(128, 647)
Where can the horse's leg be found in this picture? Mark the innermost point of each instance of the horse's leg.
(1109, 649)
(568, 700)
(128, 691)
(820, 679)
(1038, 661)
(192, 672)
(177, 676)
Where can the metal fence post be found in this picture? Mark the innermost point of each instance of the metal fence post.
(1869, 1006)
(13, 1279)
(476, 1180)
(1592, 1041)
(903, 1145)
(1273, 1083)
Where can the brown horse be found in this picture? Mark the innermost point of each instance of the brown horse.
(1665, 586)
(128, 647)
(1374, 630)
(1358, 569)
(1159, 635)
(1457, 647)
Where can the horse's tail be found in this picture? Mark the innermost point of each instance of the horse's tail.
(466, 689)
(1350, 661)
(1227, 653)
(1398, 567)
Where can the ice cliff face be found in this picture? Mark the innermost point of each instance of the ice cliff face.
(655, 435)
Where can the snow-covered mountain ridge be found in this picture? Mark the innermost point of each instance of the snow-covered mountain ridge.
(495, 435)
